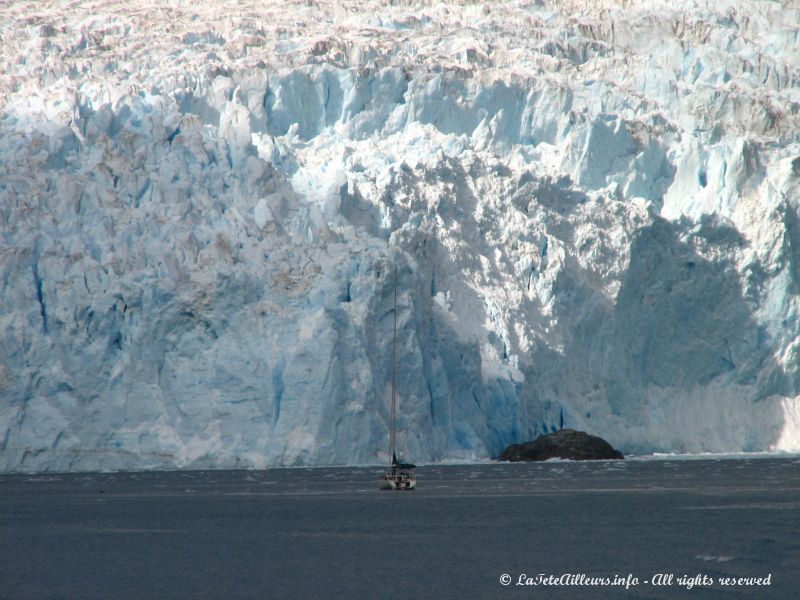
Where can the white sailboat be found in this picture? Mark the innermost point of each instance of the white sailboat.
(399, 476)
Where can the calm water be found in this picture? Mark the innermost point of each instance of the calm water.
(330, 533)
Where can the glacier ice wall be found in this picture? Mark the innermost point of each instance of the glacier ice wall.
(593, 212)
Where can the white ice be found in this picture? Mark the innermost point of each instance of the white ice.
(593, 212)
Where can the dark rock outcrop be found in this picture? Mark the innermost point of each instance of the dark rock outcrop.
(566, 443)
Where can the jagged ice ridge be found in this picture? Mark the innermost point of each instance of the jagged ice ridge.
(592, 208)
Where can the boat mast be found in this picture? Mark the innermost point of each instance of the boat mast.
(394, 369)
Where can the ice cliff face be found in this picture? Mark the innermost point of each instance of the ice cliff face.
(592, 207)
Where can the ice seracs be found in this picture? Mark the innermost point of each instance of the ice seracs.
(593, 210)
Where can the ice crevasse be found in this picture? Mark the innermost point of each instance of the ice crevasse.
(593, 213)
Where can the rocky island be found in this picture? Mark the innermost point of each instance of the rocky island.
(565, 443)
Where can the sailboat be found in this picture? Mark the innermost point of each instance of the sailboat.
(399, 476)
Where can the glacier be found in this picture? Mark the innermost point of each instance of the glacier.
(592, 207)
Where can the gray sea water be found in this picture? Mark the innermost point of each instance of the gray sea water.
(616, 529)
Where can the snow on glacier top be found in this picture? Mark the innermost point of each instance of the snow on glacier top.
(592, 205)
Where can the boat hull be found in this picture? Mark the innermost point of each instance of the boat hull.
(398, 482)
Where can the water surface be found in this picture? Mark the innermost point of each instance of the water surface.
(330, 533)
